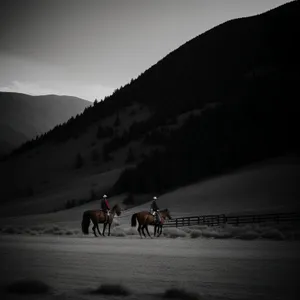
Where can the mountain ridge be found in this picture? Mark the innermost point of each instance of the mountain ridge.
(29, 116)
(218, 102)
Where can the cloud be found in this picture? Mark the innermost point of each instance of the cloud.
(85, 91)
(26, 88)
(90, 91)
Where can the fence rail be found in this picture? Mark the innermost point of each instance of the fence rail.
(217, 220)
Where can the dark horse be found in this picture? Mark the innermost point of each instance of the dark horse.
(98, 216)
(145, 218)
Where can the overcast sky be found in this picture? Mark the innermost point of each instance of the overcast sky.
(89, 48)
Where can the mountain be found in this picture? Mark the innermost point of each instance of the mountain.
(220, 102)
(10, 138)
(23, 117)
(209, 67)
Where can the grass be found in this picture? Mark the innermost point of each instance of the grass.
(118, 232)
(40, 230)
(216, 233)
(243, 232)
(28, 286)
(273, 234)
(131, 231)
(181, 294)
(112, 289)
(195, 233)
(10, 230)
(174, 232)
(249, 235)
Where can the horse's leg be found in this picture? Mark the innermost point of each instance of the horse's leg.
(146, 226)
(94, 227)
(143, 230)
(139, 230)
(109, 224)
(159, 230)
(98, 229)
(104, 227)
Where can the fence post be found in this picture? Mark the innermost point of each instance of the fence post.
(176, 222)
(224, 219)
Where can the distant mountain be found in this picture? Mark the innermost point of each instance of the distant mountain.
(221, 101)
(23, 117)
(10, 138)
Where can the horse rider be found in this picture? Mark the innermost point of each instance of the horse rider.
(105, 206)
(154, 209)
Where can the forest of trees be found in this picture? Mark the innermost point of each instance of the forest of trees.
(230, 135)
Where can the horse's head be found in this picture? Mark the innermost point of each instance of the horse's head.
(167, 214)
(117, 209)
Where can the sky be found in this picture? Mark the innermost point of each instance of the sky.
(90, 48)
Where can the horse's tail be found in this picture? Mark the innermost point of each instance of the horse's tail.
(85, 222)
(133, 220)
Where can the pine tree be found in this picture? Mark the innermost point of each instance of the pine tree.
(78, 161)
(130, 156)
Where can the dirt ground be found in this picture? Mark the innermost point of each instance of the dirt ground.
(212, 268)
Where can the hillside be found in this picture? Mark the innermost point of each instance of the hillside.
(261, 188)
(220, 102)
(23, 117)
(10, 138)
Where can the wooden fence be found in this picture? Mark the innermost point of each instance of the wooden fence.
(217, 220)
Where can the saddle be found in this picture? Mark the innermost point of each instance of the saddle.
(158, 219)
(106, 214)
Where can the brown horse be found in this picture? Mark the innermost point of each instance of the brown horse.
(145, 218)
(98, 216)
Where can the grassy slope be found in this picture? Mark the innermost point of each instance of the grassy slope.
(49, 169)
(261, 188)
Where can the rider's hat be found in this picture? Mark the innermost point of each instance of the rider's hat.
(104, 196)
(154, 198)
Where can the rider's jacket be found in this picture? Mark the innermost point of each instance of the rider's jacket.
(154, 206)
(104, 205)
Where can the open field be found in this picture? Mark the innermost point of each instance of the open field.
(215, 263)
(214, 269)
